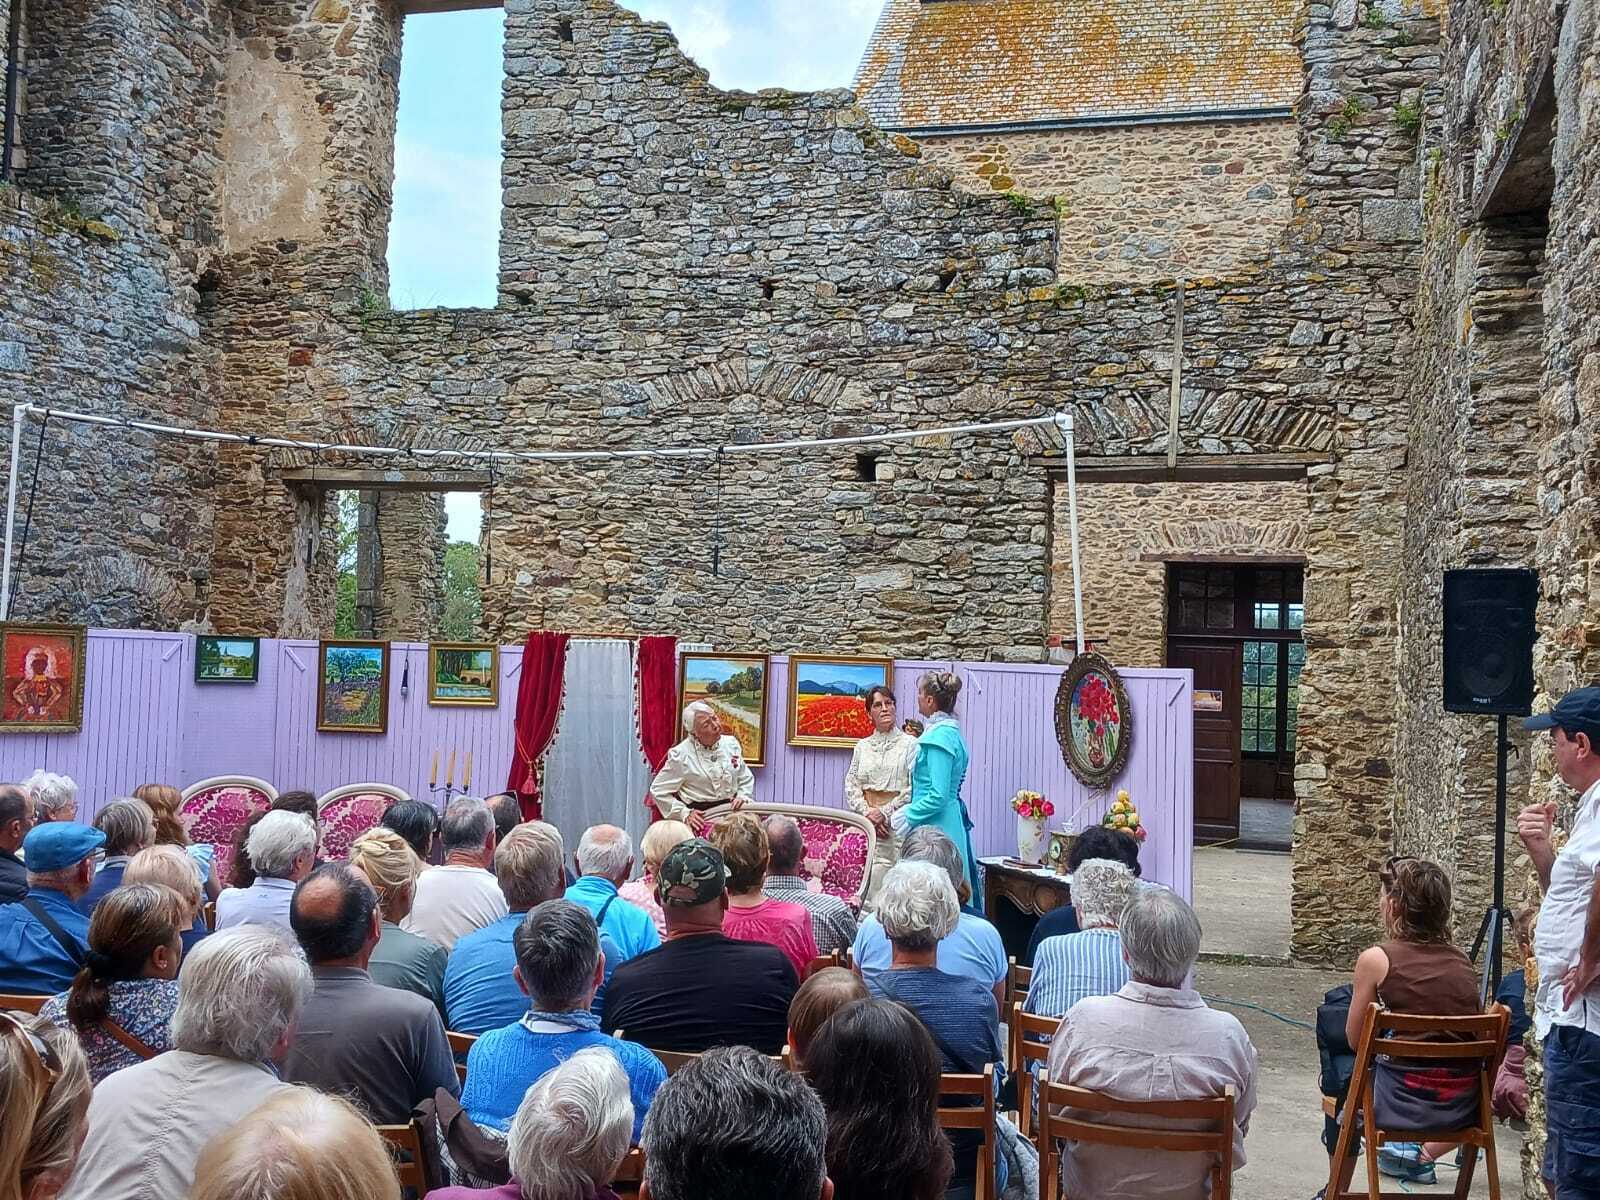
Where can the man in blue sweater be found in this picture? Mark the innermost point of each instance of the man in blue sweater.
(559, 965)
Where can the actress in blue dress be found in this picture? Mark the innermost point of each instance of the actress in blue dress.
(940, 768)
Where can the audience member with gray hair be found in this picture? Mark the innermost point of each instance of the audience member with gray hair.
(559, 965)
(704, 771)
(283, 850)
(55, 797)
(44, 938)
(1154, 1039)
(918, 908)
(462, 895)
(973, 948)
(833, 925)
(239, 996)
(16, 818)
(1087, 963)
(130, 827)
(604, 861)
(731, 1125)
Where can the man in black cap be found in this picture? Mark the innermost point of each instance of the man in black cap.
(1566, 1013)
(43, 937)
(700, 988)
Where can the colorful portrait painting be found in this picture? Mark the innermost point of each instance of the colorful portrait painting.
(44, 666)
(353, 687)
(736, 686)
(227, 659)
(464, 673)
(827, 698)
(1094, 722)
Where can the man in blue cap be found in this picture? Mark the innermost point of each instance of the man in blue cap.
(43, 937)
(1566, 1013)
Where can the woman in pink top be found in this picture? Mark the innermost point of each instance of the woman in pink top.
(751, 916)
(658, 839)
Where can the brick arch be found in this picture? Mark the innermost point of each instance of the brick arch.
(1224, 538)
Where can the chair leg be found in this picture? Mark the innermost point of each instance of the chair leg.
(1469, 1160)
(1374, 1180)
(1492, 1166)
(1341, 1167)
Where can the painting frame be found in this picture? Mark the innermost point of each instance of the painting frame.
(843, 741)
(492, 700)
(381, 723)
(1077, 731)
(78, 638)
(744, 660)
(201, 676)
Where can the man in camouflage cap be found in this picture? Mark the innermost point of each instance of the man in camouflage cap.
(700, 988)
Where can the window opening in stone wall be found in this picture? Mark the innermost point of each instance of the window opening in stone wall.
(444, 237)
(867, 468)
(345, 507)
(461, 618)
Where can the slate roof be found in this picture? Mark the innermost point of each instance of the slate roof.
(982, 62)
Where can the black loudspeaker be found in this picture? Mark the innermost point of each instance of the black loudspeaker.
(1488, 640)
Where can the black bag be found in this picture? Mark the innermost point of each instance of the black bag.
(1338, 1057)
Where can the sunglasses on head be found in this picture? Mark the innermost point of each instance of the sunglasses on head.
(41, 1056)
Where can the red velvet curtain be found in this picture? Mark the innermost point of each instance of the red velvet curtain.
(656, 677)
(544, 666)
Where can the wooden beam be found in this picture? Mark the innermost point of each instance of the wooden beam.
(340, 479)
(415, 7)
(1211, 468)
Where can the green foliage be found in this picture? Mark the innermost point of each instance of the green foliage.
(463, 601)
(1021, 203)
(1408, 116)
(370, 305)
(1374, 17)
(1060, 207)
(1339, 127)
(344, 608)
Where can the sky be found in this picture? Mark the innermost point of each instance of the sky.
(444, 239)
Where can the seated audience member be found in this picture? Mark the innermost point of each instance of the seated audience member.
(44, 936)
(1089, 962)
(462, 895)
(244, 872)
(973, 948)
(122, 1001)
(1416, 971)
(381, 1047)
(701, 988)
(571, 1132)
(238, 999)
(283, 851)
(1510, 1097)
(833, 925)
(1095, 842)
(559, 965)
(44, 1096)
(1154, 1040)
(752, 915)
(883, 1139)
(418, 823)
(480, 987)
(402, 959)
(130, 827)
(166, 803)
(819, 997)
(300, 1145)
(918, 909)
(506, 809)
(641, 892)
(171, 868)
(55, 798)
(16, 818)
(604, 861)
(733, 1125)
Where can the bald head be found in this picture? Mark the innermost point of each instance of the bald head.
(334, 915)
(606, 851)
(785, 845)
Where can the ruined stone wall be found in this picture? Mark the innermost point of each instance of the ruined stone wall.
(1143, 202)
(1128, 532)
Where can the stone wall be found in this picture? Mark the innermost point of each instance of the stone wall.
(1143, 202)
(399, 564)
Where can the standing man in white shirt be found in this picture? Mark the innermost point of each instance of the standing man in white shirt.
(462, 895)
(1566, 1013)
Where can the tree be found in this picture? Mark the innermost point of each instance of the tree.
(463, 603)
(344, 607)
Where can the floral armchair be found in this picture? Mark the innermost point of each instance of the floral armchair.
(345, 813)
(216, 809)
(839, 845)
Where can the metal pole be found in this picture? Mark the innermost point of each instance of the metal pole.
(1502, 748)
(1064, 423)
(19, 413)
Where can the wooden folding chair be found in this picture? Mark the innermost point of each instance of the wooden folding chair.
(405, 1147)
(20, 1003)
(1026, 1048)
(1475, 1043)
(823, 961)
(978, 1117)
(460, 1043)
(210, 911)
(1018, 980)
(675, 1060)
(1053, 1127)
(630, 1173)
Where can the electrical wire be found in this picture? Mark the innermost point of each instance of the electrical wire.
(27, 519)
(1231, 1003)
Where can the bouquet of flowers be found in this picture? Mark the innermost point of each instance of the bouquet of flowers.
(1124, 817)
(1032, 805)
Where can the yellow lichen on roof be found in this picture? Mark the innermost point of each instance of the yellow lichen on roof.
(973, 62)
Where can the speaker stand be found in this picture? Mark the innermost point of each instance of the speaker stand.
(1492, 931)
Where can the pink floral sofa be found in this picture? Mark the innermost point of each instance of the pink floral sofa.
(345, 813)
(216, 809)
(839, 845)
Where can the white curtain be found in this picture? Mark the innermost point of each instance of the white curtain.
(594, 773)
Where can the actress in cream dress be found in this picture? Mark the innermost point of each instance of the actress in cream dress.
(879, 780)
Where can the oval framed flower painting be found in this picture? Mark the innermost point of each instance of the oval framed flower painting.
(1094, 722)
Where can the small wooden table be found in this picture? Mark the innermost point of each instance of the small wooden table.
(1015, 896)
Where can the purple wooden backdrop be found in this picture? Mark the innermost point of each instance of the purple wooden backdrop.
(145, 719)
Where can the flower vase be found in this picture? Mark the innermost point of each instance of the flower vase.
(1030, 839)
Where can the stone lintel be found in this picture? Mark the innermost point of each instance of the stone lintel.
(340, 479)
(1213, 468)
(413, 7)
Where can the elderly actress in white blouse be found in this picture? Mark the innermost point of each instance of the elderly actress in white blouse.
(704, 770)
(879, 780)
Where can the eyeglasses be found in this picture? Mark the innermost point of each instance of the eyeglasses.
(42, 1059)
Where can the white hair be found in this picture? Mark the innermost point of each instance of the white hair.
(1101, 888)
(53, 793)
(605, 850)
(278, 839)
(917, 906)
(466, 825)
(1160, 935)
(240, 991)
(572, 1130)
(693, 710)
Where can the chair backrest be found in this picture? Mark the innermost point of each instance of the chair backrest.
(347, 812)
(823, 961)
(19, 1003)
(839, 845)
(630, 1173)
(460, 1043)
(215, 809)
(1018, 980)
(405, 1147)
(1030, 1043)
(1134, 1129)
(675, 1060)
(979, 1117)
(1471, 1044)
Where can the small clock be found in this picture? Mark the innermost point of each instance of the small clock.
(1060, 847)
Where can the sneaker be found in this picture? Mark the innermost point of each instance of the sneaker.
(1403, 1160)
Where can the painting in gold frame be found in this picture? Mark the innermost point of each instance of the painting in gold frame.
(352, 687)
(827, 697)
(736, 686)
(43, 667)
(465, 674)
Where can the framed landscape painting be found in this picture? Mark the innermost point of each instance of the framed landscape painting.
(353, 687)
(464, 673)
(736, 686)
(43, 668)
(227, 659)
(827, 697)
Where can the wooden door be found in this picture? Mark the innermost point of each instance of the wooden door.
(1217, 667)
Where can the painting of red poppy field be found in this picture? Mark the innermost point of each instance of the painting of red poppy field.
(827, 698)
